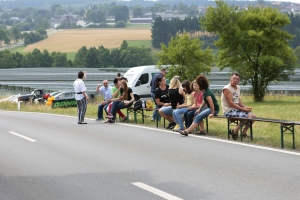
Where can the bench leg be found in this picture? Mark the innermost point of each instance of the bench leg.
(127, 116)
(281, 135)
(206, 121)
(143, 116)
(228, 128)
(241, 129)
(285, 128)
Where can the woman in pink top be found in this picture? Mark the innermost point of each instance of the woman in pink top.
(198, 98)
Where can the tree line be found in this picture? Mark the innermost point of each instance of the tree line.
(123, 57)
(33, 59)
(101, 57)
(294, 29)
(163, 29)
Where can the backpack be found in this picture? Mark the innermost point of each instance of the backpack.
(137, 105)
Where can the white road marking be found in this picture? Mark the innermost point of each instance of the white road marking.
(22, 136)
(156, 191)
(220, 140)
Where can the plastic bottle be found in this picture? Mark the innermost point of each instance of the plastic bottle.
(143, 103)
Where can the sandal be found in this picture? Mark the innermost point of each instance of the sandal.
(233, 135)
(184, 132)
(201, 133)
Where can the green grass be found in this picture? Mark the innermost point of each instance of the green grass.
(138, 26)
(139, 43)
(71, 55)
(18, 49)
(267, 134)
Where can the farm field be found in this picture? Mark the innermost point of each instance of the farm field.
(72, 40)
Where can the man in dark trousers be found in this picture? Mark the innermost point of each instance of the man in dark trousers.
(163, 72)
(81, 97)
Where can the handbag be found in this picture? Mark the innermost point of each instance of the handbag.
(137, 105)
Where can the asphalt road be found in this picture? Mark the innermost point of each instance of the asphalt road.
(46, 156)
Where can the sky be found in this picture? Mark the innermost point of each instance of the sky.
(293, 1)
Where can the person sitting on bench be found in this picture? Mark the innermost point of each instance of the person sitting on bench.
(233, 106)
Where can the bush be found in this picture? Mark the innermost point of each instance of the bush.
(120, 24)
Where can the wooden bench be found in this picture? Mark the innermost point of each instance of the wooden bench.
(286, 126)
(141, 111)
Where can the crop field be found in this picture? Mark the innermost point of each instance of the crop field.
(72, 40)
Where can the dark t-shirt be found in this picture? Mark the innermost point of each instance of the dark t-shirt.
(129, 91)
(162, 95)
(175, 97)
(207, 93)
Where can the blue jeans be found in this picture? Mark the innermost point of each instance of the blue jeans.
(155, 112)
(188, 117)
(203, 114)
(118, 105)
(100, 110)
(177, 116)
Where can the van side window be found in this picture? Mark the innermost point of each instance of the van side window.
(144, 78)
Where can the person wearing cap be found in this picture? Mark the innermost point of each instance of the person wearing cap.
(162, 72)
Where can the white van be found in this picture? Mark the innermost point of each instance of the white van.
(139, 79)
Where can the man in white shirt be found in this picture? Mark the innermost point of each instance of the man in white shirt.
(233, 106)
(81, 97)
(105, 90)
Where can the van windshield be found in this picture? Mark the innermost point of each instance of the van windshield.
(131, 78)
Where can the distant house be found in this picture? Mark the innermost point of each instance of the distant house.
(58, 19)
(15, 18)
(81, 23)
(141, 20)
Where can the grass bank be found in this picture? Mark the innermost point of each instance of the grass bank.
(266, 134)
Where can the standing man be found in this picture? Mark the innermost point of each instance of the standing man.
(163, 72)
(105, 90)
(81, 96)
(233, 106)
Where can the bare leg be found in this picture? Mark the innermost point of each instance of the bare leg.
(247, 126)
(167, 117)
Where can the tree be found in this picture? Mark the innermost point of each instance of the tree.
(16, 33)
(80, 57)
(297, 54)
(91, 58)
(7, 60)
(47, 60)
(115, 57)
(3, 38)
(104, 57)
(121, 13)
(252, 43)
(54, 7)
(18, 58)
(137, 11)
(59, 59)
(136, 56)
(29, 61)
(185, 57)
